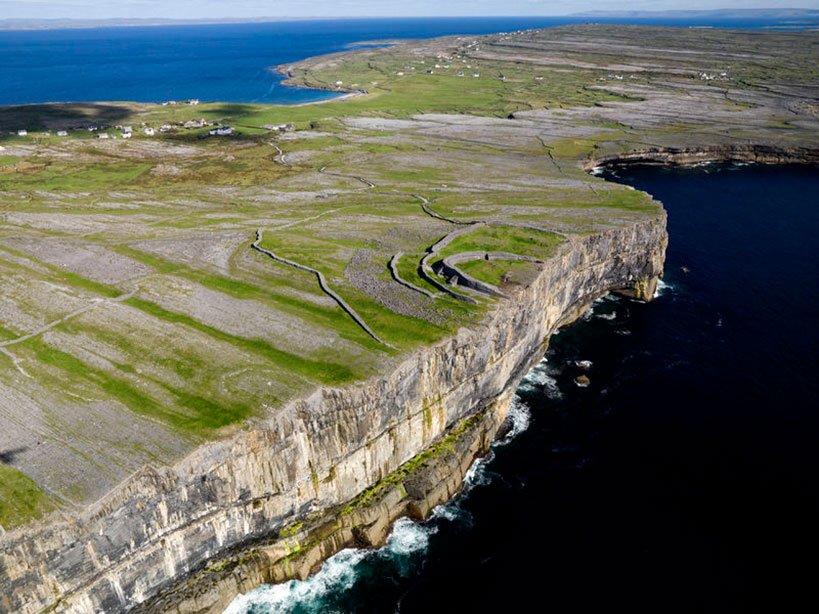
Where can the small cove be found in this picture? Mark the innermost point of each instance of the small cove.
(230, 63)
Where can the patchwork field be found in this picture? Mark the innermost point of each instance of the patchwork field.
(169, 288)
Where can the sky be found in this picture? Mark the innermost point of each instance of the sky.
(207, 9)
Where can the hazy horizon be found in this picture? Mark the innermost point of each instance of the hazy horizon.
(315, 9)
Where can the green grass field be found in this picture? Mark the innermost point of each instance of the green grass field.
(131, 295)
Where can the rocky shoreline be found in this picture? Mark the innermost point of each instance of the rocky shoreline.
(279, 493)
(690, 156)
(274, 501)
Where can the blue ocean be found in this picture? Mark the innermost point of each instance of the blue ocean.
(225, 63)
(682, 479)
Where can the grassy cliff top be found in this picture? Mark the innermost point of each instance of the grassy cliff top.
(137, 319)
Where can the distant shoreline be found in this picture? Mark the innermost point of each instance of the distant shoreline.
(34, 24)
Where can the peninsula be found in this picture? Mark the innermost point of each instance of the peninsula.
(237, 338)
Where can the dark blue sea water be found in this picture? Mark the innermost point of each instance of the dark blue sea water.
(226, 63)
(683, 479)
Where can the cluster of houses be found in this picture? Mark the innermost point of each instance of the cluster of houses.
(441, 65)
(192, 102)
(47, 133)
(126, 132)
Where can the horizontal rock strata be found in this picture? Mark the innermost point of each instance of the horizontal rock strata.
(157, 542)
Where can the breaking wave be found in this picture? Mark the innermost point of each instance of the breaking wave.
(337, 574)
(662, 288)
(402, 553)
(541, 378)
(519, 417)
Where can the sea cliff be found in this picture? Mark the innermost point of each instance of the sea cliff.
(280, 493)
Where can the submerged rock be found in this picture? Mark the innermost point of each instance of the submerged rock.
(582, 381)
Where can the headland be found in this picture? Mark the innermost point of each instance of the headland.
(190, 416)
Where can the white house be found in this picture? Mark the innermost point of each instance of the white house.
(149, 132)
(22, 133)
(62, 133)
(221, 131)
(280, 127)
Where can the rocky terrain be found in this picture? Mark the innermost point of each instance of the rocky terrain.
(226, 357)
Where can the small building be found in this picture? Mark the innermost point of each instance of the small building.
(22, 133)
(103, 135)
(195, 123)
(62, 133)
(193, 102)
(127, 135)
(280, 127)
(221, 131)
(149, 132)
(165, 128)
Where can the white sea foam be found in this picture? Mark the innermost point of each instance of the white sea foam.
(540, 378)
(662, 288)
(477, 474)
(408, 537)
(519, 416)
(447, 511)
(337, 573)
(607, 316)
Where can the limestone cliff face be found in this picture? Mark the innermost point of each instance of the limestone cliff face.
(671, 156)
(317, 453)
